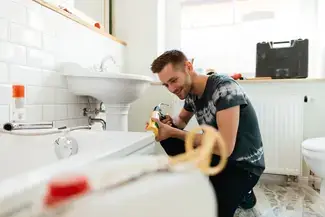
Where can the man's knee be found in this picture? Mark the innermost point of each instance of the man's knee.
(173, 146)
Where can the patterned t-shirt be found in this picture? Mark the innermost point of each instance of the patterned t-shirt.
(222, 92)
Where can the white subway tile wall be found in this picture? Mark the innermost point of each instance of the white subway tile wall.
(34, 41)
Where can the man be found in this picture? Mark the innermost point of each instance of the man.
(220, 102)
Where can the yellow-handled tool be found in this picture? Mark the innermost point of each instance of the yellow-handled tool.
(157, 114)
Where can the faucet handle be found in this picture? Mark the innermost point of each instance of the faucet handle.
(109, 57)
(106, 58)
(111, 67)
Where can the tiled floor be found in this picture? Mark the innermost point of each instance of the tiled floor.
(285, 201)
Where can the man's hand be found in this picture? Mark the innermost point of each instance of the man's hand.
(168, 120)
(165, 131)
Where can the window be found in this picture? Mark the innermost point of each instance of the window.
(222, 34)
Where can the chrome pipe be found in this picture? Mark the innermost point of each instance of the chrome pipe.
(28, 126)
(79, 128)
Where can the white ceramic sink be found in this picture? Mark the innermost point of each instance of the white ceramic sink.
(116, 90)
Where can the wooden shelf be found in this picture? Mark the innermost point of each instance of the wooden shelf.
(78, 20)
(281, 80)
(269, 80)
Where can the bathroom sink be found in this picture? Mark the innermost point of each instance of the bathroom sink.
(116, 90)
(110, 88)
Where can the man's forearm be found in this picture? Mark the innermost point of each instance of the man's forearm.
(181, 134)
(179, 123)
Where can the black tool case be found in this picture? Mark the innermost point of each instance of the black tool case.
(284, 59)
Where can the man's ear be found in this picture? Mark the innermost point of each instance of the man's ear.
(189, 66)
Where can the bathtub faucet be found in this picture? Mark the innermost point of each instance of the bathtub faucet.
(93, 120)
(28, 126)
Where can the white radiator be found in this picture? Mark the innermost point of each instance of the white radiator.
(281, 121)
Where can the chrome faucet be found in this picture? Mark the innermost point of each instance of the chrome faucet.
(109, 57)
(28, 126)
(93, 120)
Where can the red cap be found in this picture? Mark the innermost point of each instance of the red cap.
(18, 91)
(97, 25)
(62, 189)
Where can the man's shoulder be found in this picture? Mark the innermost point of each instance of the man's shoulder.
(218, 81)
(225, 87)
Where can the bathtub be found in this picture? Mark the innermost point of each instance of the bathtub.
(20, 154)
(181, 193)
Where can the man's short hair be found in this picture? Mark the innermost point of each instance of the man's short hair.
(174, 57)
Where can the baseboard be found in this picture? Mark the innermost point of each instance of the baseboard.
(281, 179)
(273, 178)
(305, 180)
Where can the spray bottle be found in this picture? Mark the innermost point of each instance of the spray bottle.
(157, 114)
(18, 106)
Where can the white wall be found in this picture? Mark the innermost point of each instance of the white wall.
(136, 22)
(33, 42)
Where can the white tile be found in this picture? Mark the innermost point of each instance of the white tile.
(12, 53)
(48, 112)
(25, 75)
(72, 108)
(79, 110)
(4, 114)
(82, 121)
(33, 113)
(5, 94)
(4, 73)
(50, 18)
(50, 43)
(40, 95)
(63, 96)
(13, 11)
(31, 5)
(93, 100)
(35, 58)
(40, 59)
(73, 123)
(53, 79)
(35, 19)
(82, 99)
(64, 24)
(64, 123)
(76, 110)
(25, 36)
(61, 112)
(55, 112)
(3, 29)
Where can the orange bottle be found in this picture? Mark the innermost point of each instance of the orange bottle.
(18, 106)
